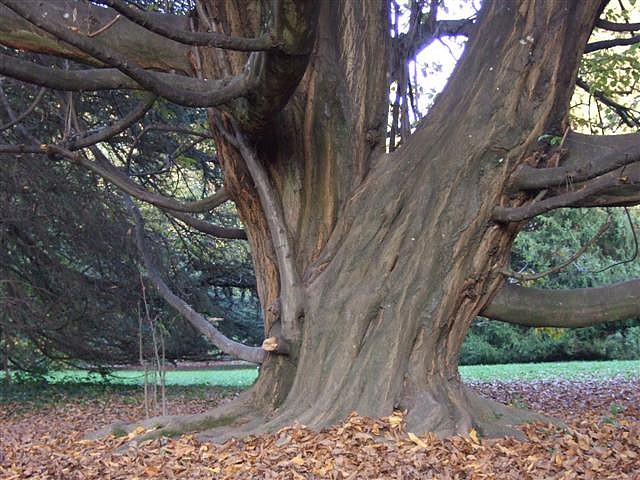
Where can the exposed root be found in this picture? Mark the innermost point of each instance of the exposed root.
(446, 410)
(453, 409)
(230, 416)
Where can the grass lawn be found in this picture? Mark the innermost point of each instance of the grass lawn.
(236, 377)
(243, 377)
(546, 371)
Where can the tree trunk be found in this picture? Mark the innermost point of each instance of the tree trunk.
(397, 252)
(370, 266)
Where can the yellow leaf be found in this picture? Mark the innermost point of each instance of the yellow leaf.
(414, 438)
(474, 435)
(395, 419)
(136, 432)
(298, 460)
(151, 470)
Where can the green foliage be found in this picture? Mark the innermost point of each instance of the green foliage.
(543, 244)
(612, 74)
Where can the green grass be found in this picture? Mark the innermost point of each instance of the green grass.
(244, 377)
(239, 377)
(552, 370)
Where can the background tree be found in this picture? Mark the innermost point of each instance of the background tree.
(370, 265)
(70, 288)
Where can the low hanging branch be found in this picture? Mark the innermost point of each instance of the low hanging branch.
(581, 307)
(93, 79)
(119, 179)
(121, 125)
(566, 263)
(199, 322)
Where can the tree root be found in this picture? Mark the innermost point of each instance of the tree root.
(446, 410)
(230, 416)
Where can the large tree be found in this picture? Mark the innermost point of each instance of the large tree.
(372, 252)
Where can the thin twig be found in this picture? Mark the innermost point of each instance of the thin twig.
(109, 24)
(635, 243)
(29, 109)
(567, 262)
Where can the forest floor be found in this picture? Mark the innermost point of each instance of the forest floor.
(41, 436)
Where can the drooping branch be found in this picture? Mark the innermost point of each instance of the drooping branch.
(562, 265)
(582, 307)
(109, 172)
(199, 322)
(203, 39)
(209, 228)
(121, 125)
(24, 114)
(583, 164)
(69, 80)
(13, 117)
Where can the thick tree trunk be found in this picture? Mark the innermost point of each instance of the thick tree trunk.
(397, 252)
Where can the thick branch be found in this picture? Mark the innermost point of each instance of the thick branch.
(143, 47)
(582, 307)
(192, 93)
(614, 42)
(581, 165)
(203, 39)
(569, 199)
(210, 228)
(268, 79)
(69, 80)
(224, 343)
(617, 27)
(618, 194)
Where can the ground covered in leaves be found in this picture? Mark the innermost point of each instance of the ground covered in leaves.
(41, 436)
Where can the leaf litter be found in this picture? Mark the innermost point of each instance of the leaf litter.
(601, 440)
